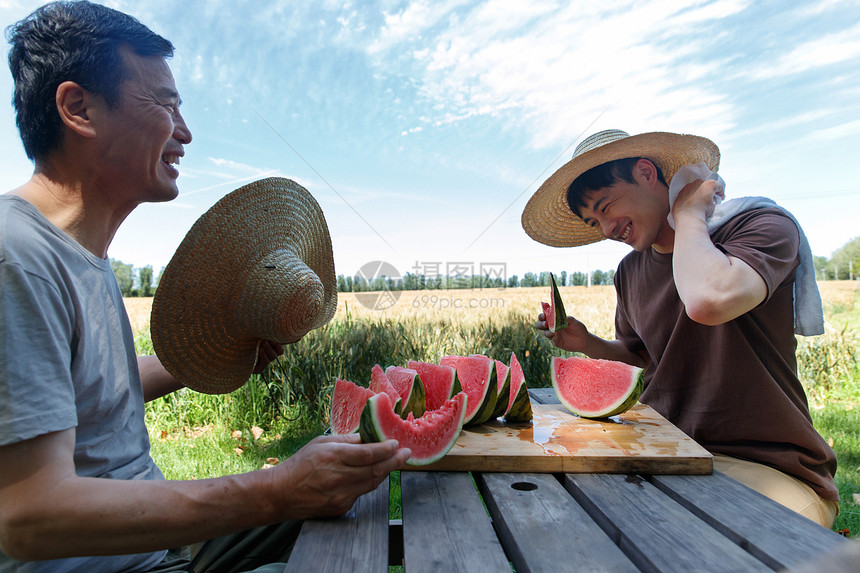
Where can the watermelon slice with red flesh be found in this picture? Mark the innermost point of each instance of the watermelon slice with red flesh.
(519, 404)
(554, 313)
(440, 382)
(347, 402)
(429, 437)
(379, 382)
(477, 376)
(503, 388)
(408, 384)
(593, 388)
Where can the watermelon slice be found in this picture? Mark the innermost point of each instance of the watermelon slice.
(592, 388)
(519, 405)
(347, 402)
(429, 437)
(503, 388)
(477, 376)
(555, 316)
(440, 382)
(379, 382)
(408, 384)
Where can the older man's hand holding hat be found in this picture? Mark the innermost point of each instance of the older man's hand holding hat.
(256, 271)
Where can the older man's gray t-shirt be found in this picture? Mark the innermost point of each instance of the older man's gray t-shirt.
(67, 360)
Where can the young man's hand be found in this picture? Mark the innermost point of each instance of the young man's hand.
(573, 338)
(696, 199)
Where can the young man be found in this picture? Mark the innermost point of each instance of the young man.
(98, 112)
(709, 302)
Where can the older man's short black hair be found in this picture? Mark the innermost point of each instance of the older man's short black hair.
(75, 41)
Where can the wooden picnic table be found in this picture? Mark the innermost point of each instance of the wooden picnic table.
(476, 522)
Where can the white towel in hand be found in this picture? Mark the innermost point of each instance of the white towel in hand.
(688, 174)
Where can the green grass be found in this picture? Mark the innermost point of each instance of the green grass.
(226, 446)
(841, 424)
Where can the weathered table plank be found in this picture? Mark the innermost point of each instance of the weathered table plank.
(543, 528)
(445, 525)
(355, 542)
(773, 533)
(655, 532)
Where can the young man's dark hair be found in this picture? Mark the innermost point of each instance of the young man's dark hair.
(603, 176)
(87, 53)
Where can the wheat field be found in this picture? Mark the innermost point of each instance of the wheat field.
(594, 306)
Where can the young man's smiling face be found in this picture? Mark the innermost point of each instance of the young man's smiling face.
(632, 213)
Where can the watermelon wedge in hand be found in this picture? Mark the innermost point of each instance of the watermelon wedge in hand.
(554, 314)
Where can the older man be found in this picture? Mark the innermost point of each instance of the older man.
(98, 113)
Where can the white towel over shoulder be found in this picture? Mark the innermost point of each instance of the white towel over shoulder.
(808, 313)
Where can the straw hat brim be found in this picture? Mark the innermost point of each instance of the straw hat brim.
(256, 266)
(548, 219)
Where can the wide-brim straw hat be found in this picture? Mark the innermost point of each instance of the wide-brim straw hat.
(256, 266)
(548, 218)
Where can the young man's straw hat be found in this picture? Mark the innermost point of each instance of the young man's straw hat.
(547, 217)
(257, 266)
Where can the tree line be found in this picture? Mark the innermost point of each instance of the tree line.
(437, 282)
(134, 281)
(843, 265)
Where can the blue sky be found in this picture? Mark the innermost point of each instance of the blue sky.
(423, 127)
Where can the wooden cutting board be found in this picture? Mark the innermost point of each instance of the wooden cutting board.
(637, 441)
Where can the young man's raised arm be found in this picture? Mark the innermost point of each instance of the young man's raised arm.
(714, 287)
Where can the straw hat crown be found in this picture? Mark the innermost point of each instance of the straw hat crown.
(256, 266)
(547, 217)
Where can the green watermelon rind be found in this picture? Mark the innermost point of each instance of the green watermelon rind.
(520, 408)
(620, 406)
(502, 396)
(558, 306)
(484, 412)
(370, 428)
(416, 401)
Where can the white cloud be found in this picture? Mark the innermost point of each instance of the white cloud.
(847, 129)
(842, 46)
(554, 68)
(410, 23)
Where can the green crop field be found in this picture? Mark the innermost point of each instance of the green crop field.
(196, 436)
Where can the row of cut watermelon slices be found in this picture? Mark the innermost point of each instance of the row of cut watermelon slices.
(424, 405)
